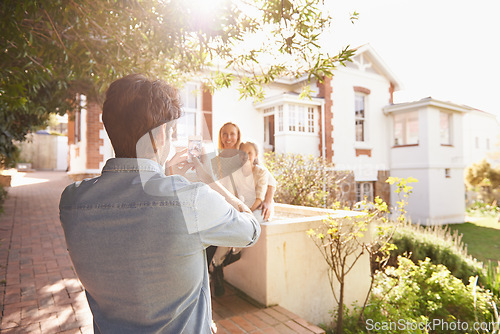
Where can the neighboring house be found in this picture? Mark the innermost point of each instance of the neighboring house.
(350, 120)
(482, 131)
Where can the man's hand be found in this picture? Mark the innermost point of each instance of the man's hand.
(178, 165)
(202, 174)
(239, 205)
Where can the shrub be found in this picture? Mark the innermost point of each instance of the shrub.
(412, 295)
(438, 244)
(3, 195)
(443, 247)
(482, 209)
(307, 181)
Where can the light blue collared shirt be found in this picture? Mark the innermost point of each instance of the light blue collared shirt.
(137, 240)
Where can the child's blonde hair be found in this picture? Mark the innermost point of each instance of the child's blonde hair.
(256, 149)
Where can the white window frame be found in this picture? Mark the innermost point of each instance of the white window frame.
(292, 123)
(299, 118)
(311, 122)
(445, 133)
(82, 107)
(360, 118)
(281, 119)
(405, 120)
(364, 189)
(191, 118)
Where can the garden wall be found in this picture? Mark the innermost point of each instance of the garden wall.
(285, 267)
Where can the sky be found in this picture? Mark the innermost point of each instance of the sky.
(446, 49)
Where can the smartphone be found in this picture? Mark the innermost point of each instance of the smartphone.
(194, 147)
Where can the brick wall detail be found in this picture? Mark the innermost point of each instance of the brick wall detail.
(71, 127)
(382, 188)
(363, 151)
(325, 91)
(359, 89)
(391, 93)
(94, 142)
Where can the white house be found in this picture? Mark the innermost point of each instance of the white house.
(350, 120)
(427, 144)
(482, 131)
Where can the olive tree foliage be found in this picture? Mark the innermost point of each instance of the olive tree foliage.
(52, 49)
(484, 179)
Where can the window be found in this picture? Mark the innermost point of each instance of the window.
(294, 117)
(300, 118)
(406, 128)
(269, 110)
(310, 120)
(280, 118)
(364, 189)
(81, 101)
(359, 117)
(488, 143)
(477, 142)
(186, 124)
(447, 173)
(445, 128)
(291, 118)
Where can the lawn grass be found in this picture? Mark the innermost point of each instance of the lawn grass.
(482, 237)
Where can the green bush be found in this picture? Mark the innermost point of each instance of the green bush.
(437, 244)
(410, 296)
(482, 209)
(3, 195)
(305, 180)
(443, 247)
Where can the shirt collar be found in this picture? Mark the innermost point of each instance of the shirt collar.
(132, 165)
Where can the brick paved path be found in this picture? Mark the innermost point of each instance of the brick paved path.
(40, 293)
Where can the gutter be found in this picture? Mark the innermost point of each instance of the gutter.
(323, 130)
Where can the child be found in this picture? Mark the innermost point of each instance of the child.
(256, 195)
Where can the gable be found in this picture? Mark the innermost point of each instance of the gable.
(363, 63)
(368, 61)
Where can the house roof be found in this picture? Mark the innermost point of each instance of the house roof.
(288, 97)
(425, 102)
(367, 50)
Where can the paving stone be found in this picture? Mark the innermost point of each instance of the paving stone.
(42, 294)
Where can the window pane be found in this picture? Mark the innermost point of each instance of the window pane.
(412, 129)
(301, 118)
(280, 118)
(359, 105)
(444, 128)
(310, 119)
(359, 116)
(399, 124)
(291, 119)
(191, 96)
(185, 126)
(360, 130)
(406, 128)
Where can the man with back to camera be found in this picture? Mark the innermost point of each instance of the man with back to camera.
(137, 237)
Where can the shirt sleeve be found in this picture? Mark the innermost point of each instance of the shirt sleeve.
(271, 181)
(220, 224)
(261, 182)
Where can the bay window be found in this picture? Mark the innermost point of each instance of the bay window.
(406, 128)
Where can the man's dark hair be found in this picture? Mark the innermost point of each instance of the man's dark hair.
(133, 106)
